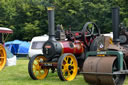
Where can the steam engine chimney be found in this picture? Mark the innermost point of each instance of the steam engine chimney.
(115, 24)
(51, 25)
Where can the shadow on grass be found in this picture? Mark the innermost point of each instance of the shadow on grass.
(51, 79)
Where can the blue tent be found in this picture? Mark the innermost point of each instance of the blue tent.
(23, 48)
(14, 42)
(17, 47)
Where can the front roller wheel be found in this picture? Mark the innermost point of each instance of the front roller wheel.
(3, 57)
(67, 67)
(34, 68)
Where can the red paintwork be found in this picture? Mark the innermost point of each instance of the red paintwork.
(77, 47)
(4, 31)
(77, 34)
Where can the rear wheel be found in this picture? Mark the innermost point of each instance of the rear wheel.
(34, 68)
(3, 57)
(118, 79)
(67, 67)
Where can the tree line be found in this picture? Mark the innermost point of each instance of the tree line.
(28, 18)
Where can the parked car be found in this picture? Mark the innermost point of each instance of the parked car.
(36, 45)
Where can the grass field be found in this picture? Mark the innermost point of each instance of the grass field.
(18, 75)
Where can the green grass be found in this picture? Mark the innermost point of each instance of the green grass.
(18, 75)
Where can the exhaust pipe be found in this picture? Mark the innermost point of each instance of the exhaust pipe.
(115, 24)
(51, 24)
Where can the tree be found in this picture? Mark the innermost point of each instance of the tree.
(28, 18)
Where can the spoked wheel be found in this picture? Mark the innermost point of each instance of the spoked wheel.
(89, 32)
(67, 67)
(35, 70)
(3, 57)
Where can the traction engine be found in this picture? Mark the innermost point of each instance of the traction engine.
(3, 56)
(65, 52)
(109, 65)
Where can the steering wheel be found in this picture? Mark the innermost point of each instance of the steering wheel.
(89, 32)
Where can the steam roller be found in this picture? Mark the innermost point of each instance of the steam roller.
(108, 65)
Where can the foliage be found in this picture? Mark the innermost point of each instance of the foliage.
(28, 18)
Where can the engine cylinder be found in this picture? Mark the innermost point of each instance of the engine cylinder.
(56, 48)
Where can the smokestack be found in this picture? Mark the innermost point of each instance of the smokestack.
(115, 24)
(51, 25)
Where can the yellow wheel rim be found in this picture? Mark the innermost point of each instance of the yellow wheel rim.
(69, 67)
(37, 70)
(3, 57)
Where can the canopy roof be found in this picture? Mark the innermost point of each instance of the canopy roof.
(5, 30)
